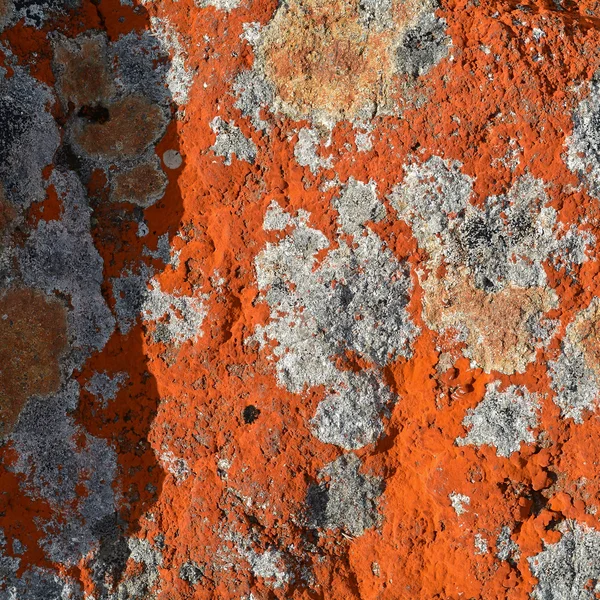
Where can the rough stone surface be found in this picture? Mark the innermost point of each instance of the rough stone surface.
(299, 299)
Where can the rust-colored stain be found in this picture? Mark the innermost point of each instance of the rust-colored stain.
(33, 338)
(299, 300)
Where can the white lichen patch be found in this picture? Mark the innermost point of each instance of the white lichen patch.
(305, 151)
(358, 204)
(351, 300)
(176, 318)
(506, 548)
(224, 5)
(503, 419)
(569, 569)
(459, 502)
(494, 291)
(179, 77)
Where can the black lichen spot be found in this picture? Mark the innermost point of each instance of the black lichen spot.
(250, 414)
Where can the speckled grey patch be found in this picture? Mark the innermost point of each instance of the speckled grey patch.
(575, 384)
(230, 142)
(29, 136)
(305, 151)
(353, 299)
(54, 464)
(358, 204)
(504, 242)
(349, 501)
(60, 256)
(423, 44)
(583, 145)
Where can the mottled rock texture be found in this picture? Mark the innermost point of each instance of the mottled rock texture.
(299, 299)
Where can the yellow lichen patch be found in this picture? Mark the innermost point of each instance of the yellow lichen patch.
(325, 58)
(132, 124)
(142, 185)
(33, 336)
(82, 70)
(584, 333)
(496, 327)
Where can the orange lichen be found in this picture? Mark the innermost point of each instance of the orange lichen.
(130, 126)
(496, 327)
(209, 503)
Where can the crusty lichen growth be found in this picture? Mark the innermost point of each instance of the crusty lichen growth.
(341, 60)
(484, 277)
(503, 419)
(354, 299)
(575, 374)
(569, 569)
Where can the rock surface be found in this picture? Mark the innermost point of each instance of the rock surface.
(299, 299)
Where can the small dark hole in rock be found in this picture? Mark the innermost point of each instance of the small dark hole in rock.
(250, 414)
(96, 114)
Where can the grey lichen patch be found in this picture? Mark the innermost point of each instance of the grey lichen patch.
(350, 417)
(276, 219)
(305, 151)
(144, 583)
(583, 145)
(358, 204)
(29, 136)
(575, 374)
(506, 548)
(481, 544)
(53, 465)
(348, 501)
(423, 45)
(105, 387)
(569, 569)
(35, 12)
(179, 76)
(60, 256)
(353, 300)
(177, 318)
(495, 291)
(191, 572)
(230, 142)
(34, 583)
(254, 94)
(503, 419)
(268, 565)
